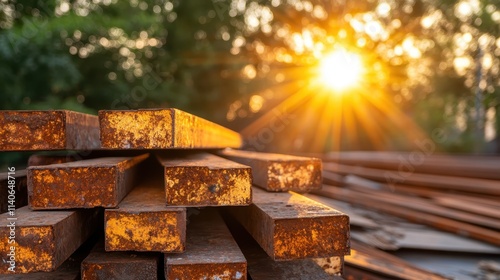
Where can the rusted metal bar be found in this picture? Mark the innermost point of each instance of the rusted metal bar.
(262, 267)
(276, 172)
(102, 265)
(290, 226)
(162, 129)
(48, 130)
(144, 223)
(475, 185)
(442, 223)
(13, 184)
(206, 180)
(101, 182)
(68, 270)
(34, 241)
(211, 251)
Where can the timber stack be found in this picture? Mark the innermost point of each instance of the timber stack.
(158, 194)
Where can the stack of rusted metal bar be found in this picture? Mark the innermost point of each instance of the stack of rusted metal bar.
(159, 193)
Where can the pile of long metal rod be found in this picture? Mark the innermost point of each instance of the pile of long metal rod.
(158, 194)
(456, 198)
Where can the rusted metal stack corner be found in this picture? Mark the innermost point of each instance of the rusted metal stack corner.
(162, 129)
(204, 179)
(48, 130)
(278, 172)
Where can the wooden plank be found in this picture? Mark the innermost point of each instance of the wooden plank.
(445, 224)
(13, 190)
(211, 252)
(485, 167)
(262, 267)
(279, 173)
(206, 180)
(290, 226)
(144, 223)
(102, 265)
(101, 182)
(48, 130)
(43, 240)
(481, 186)
(162, 129)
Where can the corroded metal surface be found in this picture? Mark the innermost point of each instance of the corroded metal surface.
(101, 265)
(48, 130)
(290, 226)
(276, 172)
(101, 182)
(44, 239)
(262, 267)
(162, 129)
(144, 223)
(69, 270)
(19, 191)
(211, 252)
(206, 180)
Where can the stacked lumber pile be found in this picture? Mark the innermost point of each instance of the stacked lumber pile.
(156, 194)
(456, 198)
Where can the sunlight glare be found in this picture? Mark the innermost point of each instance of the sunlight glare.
(341, 69)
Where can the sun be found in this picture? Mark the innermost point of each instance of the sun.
(341, 70)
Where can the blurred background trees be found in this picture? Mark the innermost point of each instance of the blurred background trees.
(430, 68)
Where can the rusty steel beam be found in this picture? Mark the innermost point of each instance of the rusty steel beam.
(262, 267)
(290, 226)
(162, 129)
(384, 264)
(446, 224)
(68, 270)
(48, 130)
(43, 240)
(13, 184)
(211, 251)
(206, 180)
(102, 265)
(279, 173)
(101, 182)
(452, 183)
(144, 223)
